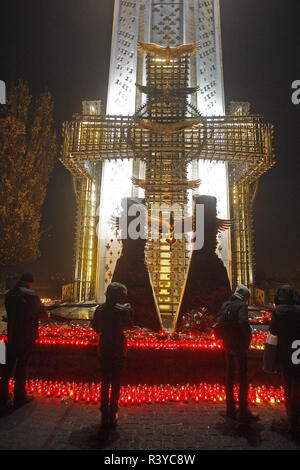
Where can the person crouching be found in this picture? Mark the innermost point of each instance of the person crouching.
(110, 321)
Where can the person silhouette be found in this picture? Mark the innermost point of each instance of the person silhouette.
(285, 324)
(110, 321)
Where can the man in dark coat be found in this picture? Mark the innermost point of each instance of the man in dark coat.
(24, 309)
(110, 321)
(236, 343)
(285, 324)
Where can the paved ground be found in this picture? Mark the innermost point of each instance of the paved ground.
(52, 424)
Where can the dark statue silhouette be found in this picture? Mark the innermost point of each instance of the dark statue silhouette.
(207, 283)
(132, 271)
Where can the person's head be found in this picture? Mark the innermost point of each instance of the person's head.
(116, 293)
(286, 295)
(28, 278)
(242, 292)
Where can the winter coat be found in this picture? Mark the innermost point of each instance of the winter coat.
(24, 309)
(110, 321)
(239, 336)
(285, 324)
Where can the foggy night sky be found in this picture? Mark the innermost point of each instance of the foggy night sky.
(64, 46)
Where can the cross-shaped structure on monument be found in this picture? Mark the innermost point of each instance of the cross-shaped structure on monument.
(166, 134)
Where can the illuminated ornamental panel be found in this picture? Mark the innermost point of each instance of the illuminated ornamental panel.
(163, 23)
(165, 137)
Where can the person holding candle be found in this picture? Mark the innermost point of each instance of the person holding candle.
(285, 324)
(110, 321)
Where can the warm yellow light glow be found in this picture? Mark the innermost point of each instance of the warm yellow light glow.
(116, 185)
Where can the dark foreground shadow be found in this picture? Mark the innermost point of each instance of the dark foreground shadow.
(93, 438)
(280, 426)
(6, 411)
(232, 428)
(23, 412)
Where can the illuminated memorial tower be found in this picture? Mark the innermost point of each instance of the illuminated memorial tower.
(162, 23)
(164, 130)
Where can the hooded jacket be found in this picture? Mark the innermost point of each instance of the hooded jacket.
(285, 324)
(24, 309)
(110, 321)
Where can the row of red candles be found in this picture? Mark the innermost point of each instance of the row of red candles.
(148, 394)
(84, 336)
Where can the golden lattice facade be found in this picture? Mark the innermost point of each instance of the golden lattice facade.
(157, 148)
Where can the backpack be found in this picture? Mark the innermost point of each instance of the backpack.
(226, 323)
(17, 316)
